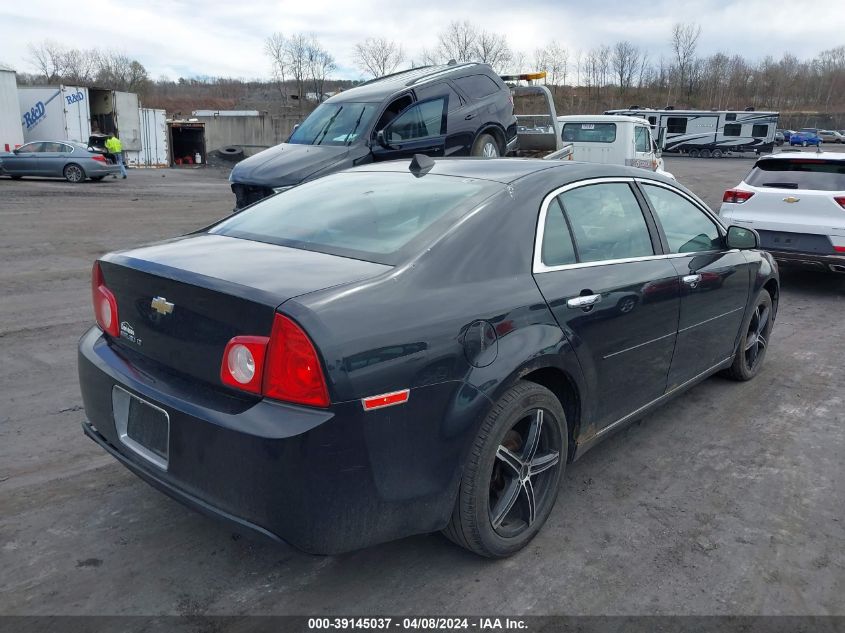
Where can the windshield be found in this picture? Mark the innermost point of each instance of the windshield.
(799, 173)
(334, 124)
(374, 216)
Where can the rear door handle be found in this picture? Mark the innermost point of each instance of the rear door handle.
(583, 302)
(468, 117)
(692, 280)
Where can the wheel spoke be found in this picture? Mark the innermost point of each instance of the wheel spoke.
(532, 442)
(752, 354)
(543, 462)
(506, 502)
(750, 341)
(761, 341)
(530, 501)
(763, 320)
(511, 460)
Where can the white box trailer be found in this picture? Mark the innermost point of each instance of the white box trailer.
(11, 135)
(153, 138)
(117, 112)
(55, 113)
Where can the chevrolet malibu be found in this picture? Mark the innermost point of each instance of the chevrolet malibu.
(405, 348)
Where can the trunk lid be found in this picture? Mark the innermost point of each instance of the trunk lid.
(179, 302)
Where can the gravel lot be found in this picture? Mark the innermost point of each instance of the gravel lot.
(728, 500)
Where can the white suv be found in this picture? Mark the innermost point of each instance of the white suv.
(796, 202)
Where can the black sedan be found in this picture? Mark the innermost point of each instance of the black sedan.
(395, 349)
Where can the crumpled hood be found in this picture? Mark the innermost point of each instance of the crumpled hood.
(288, 164)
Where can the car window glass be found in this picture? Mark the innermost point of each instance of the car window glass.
(760, 130)
(33, 147)
(733, 129)
(589, 132)
(54, 147)
(798, 173)
(687, 228)
(557, 248)
(642, 138)
(676, 125)
(477, 86)
(607, 222)
(422, 120)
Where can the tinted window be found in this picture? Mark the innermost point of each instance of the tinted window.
(687, 228)
(477, 86)
(557, 248)
(676, 125)
(607, 222)
(730, 117)
(375, 216)
(733, 129)
(335, 124)
(33, 147)
(422, 120)
(642, 139)
(799, 173)
(589, 132)
(652, 120)
(760, 130)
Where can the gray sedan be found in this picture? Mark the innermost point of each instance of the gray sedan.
(61, 159)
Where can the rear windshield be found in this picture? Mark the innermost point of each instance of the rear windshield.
(799, 173)
(589, 132)
(375, 216)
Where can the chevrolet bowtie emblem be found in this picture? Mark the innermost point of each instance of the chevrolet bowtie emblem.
(791, 199)
(161, 305)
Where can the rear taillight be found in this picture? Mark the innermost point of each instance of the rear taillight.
(736, 196)
(243, 363)
(840, 200)
(284, 366)
(105, 305)
(98, 157)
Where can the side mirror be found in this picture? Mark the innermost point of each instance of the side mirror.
(382, 140)
(16, 151)
(742, 237)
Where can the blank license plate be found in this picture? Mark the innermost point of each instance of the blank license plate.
(143, 427)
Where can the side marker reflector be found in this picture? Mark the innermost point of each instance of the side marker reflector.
(386, 400)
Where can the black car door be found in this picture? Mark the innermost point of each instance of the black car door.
(599, 265)
(461, 119)
(714, 281)
(419, 129)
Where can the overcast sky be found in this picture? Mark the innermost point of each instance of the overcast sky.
(178, 38)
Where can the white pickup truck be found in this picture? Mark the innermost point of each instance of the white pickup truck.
(589, 138)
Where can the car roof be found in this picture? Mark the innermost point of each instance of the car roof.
(381, 87)
(814, 154)
(509, 170)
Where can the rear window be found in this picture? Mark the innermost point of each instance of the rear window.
(799, 173)
(375, 216)
(589, 132)
(477, 86)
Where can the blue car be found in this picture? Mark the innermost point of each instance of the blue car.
(805, 138)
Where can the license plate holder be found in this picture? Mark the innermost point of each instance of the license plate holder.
(141, 426)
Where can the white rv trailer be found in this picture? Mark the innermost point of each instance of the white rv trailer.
(710, 133)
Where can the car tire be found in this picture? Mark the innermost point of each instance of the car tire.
(486, 147)
(804, 143)
(752, 347)
(501, 474)
(73, 173)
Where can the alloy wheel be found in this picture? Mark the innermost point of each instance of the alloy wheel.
(73, 173)
(756, 339)
(490, 150)
(523, 473)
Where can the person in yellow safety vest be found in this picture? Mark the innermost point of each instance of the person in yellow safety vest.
(115, 148)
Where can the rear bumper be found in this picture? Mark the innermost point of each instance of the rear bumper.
(814, 261)
(98, 169)
(324, 481)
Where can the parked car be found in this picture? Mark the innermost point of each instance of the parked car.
(56, 159)
(796, 202)
(805, 138)
(830, 136)
(779, 138)
(451, 110)
(786, 134)
(399, 349)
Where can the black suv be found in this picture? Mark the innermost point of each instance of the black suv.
(451, 110)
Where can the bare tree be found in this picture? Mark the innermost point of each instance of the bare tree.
(275, 47)
(459, 42)
(120, 72)
(378, 56)
(684, 44)
(80, 66)
(625, 59)
(493, 49)
(48, 58)
(553, 59)
(320, 64)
